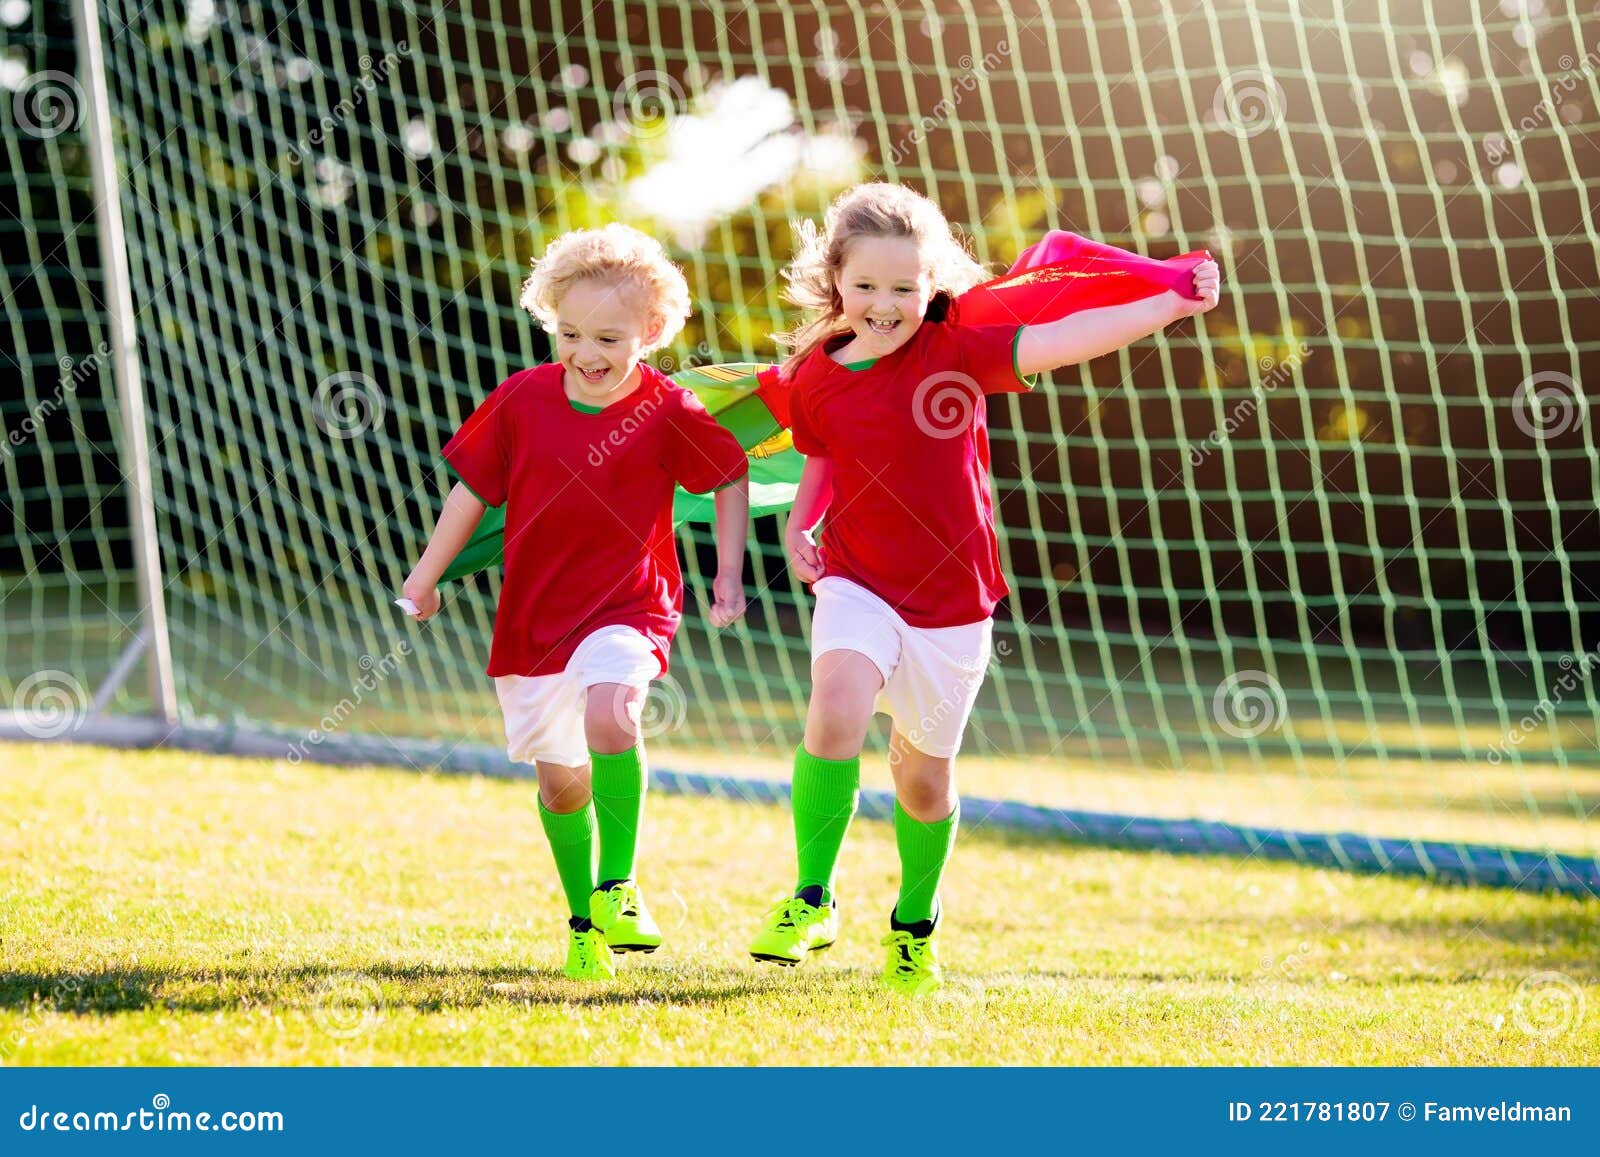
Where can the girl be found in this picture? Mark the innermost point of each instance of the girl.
(584, 455)
(888, 408)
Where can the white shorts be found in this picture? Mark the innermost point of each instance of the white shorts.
(931, 675)
(544, 713)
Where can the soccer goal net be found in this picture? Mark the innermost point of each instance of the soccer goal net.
(1323, 559)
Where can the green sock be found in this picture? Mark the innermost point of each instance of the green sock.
(924, 851)
(824, 797)
(618, 782)
(571, 837)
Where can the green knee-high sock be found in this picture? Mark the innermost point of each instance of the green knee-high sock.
(924, 851)
(824, 794)
(619, 786)
(571, 837)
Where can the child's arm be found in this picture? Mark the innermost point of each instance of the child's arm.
(1092, 332)
(733, 525)
(457, 521)
(811, 497)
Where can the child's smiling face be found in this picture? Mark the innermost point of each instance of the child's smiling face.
(601, 335)
(885, 290)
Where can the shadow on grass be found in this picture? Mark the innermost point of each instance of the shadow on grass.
(424, 989)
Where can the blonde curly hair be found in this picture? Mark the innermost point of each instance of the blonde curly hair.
(876, 209)
(618, 254)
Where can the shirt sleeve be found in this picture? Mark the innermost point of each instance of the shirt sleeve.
(989, 354)
(775, 392)
(803, 428)
(480, 452)
(701, 454)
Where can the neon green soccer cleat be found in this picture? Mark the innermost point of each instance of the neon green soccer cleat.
(795, 927)
(588, 956)
(619, 912)
(913, 967)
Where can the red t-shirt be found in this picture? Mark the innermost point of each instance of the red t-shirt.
(911, 517)
(588, 498)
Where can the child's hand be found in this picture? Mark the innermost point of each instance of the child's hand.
(425, 596)
(728, 591)
(805, 560)
(1208, 287)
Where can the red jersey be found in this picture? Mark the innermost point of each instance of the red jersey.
(588, 498)
(911, 517)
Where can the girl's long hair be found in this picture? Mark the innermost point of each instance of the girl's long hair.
(877, 209)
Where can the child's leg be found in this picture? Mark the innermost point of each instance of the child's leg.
(854, 644)
(611, 727)
(930, 698)
(569, 823)
(567, 813)
(925, 817)
(926, 814)
(544, 727)
(827, 783)
(827, 768)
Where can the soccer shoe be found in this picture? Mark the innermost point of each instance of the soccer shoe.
(913, 966)
(588, 956)
(794, 927)
(619, 912)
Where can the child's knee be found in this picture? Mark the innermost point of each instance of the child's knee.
(836, 727)
(843, 698)
(611, 718)
(927, 800)
(563, 789)
(925, 785)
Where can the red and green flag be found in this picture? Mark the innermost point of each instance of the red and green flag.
(1065, 273)
(1062, 274)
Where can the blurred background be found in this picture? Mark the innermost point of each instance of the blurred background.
(1322, 558)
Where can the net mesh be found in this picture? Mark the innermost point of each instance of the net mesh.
(1324, 555)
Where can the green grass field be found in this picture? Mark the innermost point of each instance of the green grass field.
(167, 908)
